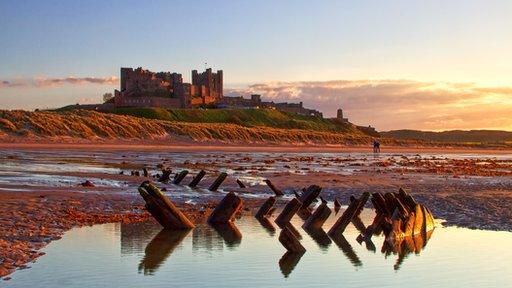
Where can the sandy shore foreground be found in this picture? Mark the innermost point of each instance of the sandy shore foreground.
(474, 193)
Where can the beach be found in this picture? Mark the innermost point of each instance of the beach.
(42, 196)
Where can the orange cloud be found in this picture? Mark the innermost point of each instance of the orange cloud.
(398, 104)
(56, 82)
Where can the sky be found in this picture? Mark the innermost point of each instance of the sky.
(430, 65)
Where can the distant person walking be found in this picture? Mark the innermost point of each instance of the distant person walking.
(376, 146)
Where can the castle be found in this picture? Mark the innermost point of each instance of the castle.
(256, 102)
(143, 88)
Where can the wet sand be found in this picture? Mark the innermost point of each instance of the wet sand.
(474, 193)
(183, 146)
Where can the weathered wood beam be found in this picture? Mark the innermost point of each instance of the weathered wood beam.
(240, 183)
(428, 220)
(288, 212)
(318, 218)
(379, 203)
(361, 202)
(162, 209)
(216, 184)
(337, 205)
(418, 220)
(179, 177)
(266, 207)
(276, 191)
(309, 195)
(407, 199)
(393, 203)
(352, 210)
(166, 174)
(197, 179)
(226, 209)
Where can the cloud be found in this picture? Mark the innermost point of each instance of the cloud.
(57, 82)
(398, 104)
(9, 84)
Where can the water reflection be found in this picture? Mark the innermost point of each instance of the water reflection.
(204, 238)
(123, 254)
(347, 249)
(319, 236)
(160, 248)
(267, 224)
(229, 232)
(288, 262)
(405, 246)
(158, 245)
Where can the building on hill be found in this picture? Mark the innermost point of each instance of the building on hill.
(143, 88)
(256, 102)
(339, 116)
(209, 84)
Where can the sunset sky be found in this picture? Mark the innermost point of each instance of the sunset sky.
(430, 65)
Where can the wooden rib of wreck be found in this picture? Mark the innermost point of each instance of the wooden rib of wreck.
(266, 207)
(291, 208)
(166, 174)
(310, 195)
(240, 183)
(197, 179)
(354, 209)
(162, 209)
(216, 184)
(273, 188)
(318, 218)
(400, 216)
(226, 210)
(179, 177)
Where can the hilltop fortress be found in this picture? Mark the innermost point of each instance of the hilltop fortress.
(143, 88)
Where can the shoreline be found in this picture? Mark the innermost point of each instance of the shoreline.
(199, 147)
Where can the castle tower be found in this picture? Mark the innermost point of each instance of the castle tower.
(209, 84)
(220, 84)
(339, 115)
(125, 73)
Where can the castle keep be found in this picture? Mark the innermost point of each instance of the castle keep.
(143, 88)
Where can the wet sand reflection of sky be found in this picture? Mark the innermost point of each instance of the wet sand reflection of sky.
(249, 254)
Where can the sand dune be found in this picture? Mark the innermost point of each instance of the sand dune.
(91, 126)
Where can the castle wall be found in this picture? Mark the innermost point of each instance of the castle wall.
(148, 102)
(143, 88)
(255, 101)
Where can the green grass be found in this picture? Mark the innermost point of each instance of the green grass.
(244, 117)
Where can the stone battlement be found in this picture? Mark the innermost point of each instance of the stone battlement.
(143, 88)
(256, 102)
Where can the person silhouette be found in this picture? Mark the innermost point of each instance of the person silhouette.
(376, 146)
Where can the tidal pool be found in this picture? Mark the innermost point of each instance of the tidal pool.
(250, 255)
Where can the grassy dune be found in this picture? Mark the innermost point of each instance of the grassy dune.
(94, 126)
(244, 117)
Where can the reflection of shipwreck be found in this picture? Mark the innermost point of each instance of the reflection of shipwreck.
(406, 224)
(160, 247)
